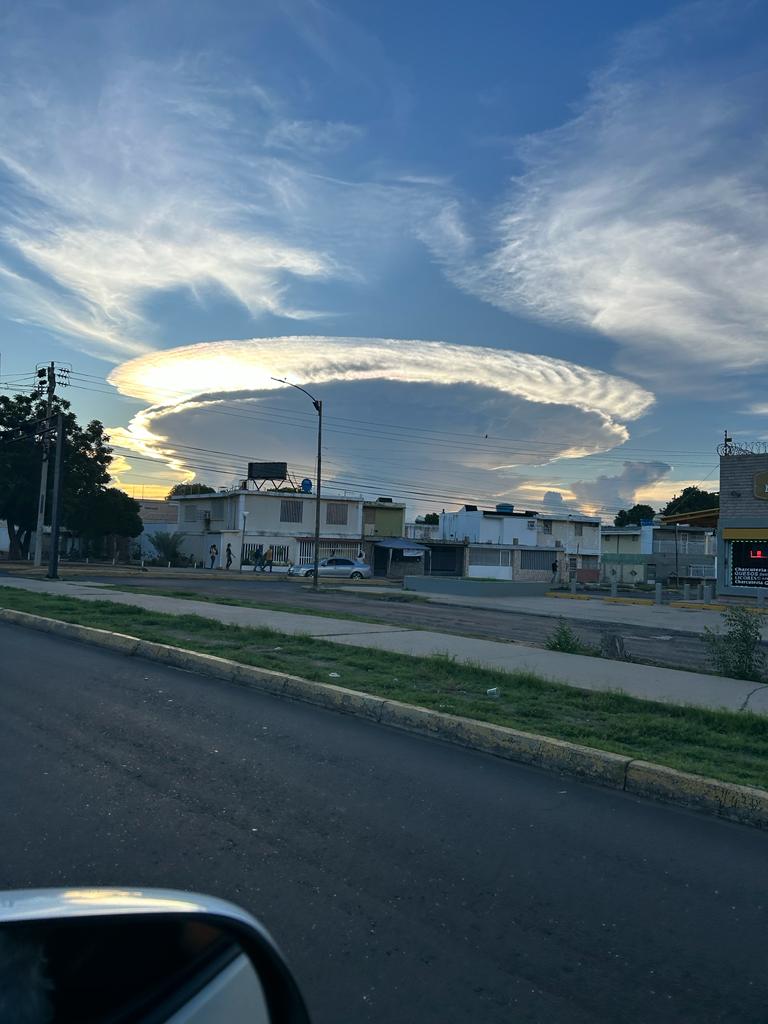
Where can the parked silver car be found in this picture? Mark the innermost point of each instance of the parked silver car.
(347, 568)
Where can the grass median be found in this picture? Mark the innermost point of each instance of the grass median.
(720, 744)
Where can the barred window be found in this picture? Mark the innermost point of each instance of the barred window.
(490, 556)
(190, 513)
(291, 510)
(536, 559)
(546, 525)
(336, 513)
(578, 529)
(369, 516)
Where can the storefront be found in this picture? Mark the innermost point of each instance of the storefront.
(743, 525)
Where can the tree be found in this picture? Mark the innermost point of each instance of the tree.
(99, 516)
(86, 461)
(181, 490)
(432, 518)
(167, 545)
(633, 516)
(692, 499)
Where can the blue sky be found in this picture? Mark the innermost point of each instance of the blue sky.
(518, 249)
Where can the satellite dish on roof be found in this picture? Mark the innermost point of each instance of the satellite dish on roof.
(306, 485)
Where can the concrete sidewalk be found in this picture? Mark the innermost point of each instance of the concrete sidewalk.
(594, 609)
(667, 685)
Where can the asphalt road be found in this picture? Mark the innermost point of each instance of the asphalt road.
(643, 643)
(407, 880)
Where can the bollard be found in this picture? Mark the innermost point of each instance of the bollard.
(573, 584)
(657, 596)
(686, 591)
(706, 594)
(614, 588)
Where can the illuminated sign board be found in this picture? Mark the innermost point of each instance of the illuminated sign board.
(761, 485)
(749, 563)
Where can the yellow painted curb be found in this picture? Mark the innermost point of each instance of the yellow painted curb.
(699, 606)
(744, 804)
(627, 600)
(568, 597)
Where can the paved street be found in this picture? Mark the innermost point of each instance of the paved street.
(405, 879)
(645, 642)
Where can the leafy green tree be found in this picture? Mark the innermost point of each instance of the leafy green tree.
(181, 490)
(692, 499)
(86, 462)
(106, 516)
(432, 518)
(633, 516)
(167, 545)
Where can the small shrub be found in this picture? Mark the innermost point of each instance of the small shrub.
(737, 652)
(563, 639)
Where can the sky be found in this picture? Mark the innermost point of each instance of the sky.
(519, 250)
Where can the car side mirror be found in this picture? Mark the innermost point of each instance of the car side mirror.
(127, 956)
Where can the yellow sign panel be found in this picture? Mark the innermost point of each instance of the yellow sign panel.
(761, 485)
(741, 533)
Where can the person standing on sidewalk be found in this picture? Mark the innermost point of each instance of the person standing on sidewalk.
(228, 553)
(213, 552)
(269, 556)
(554, 571)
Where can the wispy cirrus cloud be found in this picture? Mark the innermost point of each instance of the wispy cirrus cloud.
(645, 216)
(175, 173)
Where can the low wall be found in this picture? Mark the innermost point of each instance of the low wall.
(458, 586)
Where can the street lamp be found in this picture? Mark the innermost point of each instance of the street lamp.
(242, 540)
(319, 410)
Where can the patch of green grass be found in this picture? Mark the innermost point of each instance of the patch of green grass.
(720, 744)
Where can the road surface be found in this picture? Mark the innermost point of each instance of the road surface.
(647, 644)
(405, 879)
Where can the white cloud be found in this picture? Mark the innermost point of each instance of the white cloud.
(644, 217)
(622, 489)
(312, 136)
(515, 410)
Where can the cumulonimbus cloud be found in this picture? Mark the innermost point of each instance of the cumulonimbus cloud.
(645, 217)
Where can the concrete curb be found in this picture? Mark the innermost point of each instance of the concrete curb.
(743, 804)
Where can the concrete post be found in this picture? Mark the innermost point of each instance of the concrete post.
(614, 588)
(657, 594)
(706, 594)
(686, 591)
(573, 584)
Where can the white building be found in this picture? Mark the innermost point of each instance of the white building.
(504, 544)
(258, 520)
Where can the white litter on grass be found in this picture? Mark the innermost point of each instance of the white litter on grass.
(334, 675)
(493, 692)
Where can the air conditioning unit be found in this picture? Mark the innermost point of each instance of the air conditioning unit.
(558, 543)
(515, 540)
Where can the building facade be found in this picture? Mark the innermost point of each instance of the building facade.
(251, 522)
(383, 518)
(742, 539)
(653, 553)
(505, 544)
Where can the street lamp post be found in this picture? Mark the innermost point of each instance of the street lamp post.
(319, 410)
(242, 541)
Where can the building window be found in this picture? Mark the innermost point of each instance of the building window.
(190, 513)
(546, 525)
(541, 560)
(369, 516)
(490, 556)
(578, 529)
(336, 513)
(291, 510)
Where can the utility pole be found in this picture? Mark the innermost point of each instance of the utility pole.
(319, 410)
(58, 477)
(50, 375)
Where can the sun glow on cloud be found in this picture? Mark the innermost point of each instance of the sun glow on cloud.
(195, 375)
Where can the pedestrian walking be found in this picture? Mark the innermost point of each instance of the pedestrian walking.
(554, 571)
(213, 553)
(258, 558)
(269, 556)
(228, 553)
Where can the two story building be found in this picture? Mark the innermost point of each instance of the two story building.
(502, 543)
(743, 521)
(656, 552)
(284, 520)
